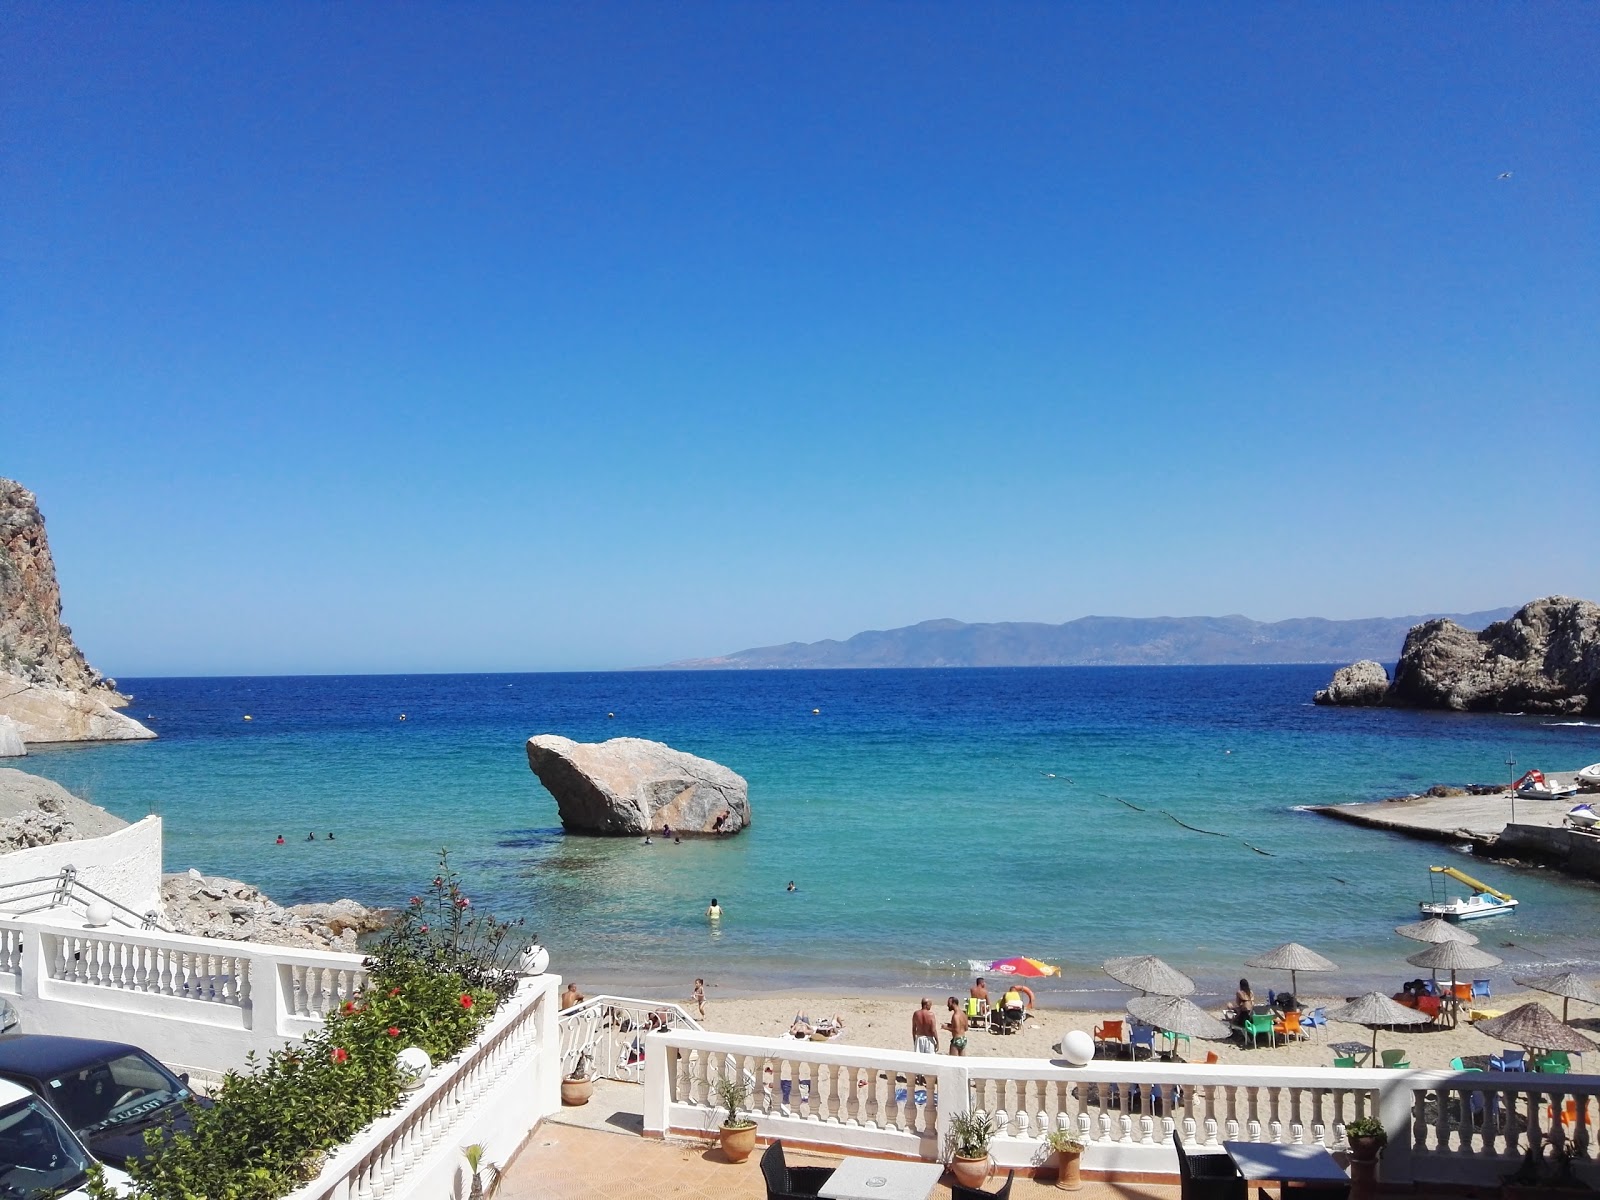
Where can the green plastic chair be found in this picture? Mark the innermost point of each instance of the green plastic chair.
(1395, 1059)
(1554, 1063)
(1458, 1065)
(1173, 1040)
(1258, 1023)
(1344, 1061)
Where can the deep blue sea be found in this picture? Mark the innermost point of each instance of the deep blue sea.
(929, 817)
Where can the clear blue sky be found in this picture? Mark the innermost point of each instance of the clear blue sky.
(430, 337)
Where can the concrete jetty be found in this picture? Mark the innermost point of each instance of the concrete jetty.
(1497, 825)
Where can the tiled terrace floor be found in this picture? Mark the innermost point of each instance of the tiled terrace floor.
(570, 1162)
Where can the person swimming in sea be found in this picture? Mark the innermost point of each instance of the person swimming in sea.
(311, 837)
(715, 911)
(790, 888)
(280, 839)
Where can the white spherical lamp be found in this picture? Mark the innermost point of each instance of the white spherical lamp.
(414, 1065)
(97, 914)
(533, 960)
(1077, 1048)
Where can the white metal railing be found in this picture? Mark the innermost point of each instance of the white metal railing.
(65, 889)
(1443, 1125)
(611, 1031)
(492, 1093)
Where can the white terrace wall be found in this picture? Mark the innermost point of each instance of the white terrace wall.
(125, 865)
(198, 1004)
(1443, 1126)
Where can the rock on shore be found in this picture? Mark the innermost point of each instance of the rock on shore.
(46, 685)
(215, 907)
(1362, 683)
(629, 787)
(40, 812)
(1543, 659)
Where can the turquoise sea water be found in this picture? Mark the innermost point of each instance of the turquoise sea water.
(929, 817)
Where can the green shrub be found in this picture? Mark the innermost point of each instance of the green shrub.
(428, 985)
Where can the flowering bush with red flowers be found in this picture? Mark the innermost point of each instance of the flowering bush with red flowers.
(271, 1127)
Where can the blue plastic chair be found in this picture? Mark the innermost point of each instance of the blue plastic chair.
(1142, 1035)
(1317, 1018)
(1509, 1060)
(1480, 989)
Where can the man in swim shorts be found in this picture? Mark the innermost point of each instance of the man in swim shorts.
(925, 1029)
(957, 1026)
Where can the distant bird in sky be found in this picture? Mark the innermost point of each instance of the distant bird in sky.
(1504, 175)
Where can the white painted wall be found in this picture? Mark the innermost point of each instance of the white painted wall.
(125, 865)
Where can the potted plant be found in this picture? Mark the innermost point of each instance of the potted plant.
(1367, 1138)
(738, 1133)
(577, 1087)
(970, 1134)
(475, 1164)
(1067, 1147)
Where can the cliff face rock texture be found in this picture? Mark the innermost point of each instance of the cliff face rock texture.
(1545, 658)
(630, 787)
(46, 686)
(11, 739)
(211, 906)
(1362, 683)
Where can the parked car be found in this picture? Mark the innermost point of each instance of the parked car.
(109, 1093)
(40, 1158)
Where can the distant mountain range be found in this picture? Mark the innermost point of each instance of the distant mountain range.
(1098, 641)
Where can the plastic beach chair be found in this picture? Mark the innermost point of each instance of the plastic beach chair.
(1108, 1031)
(1395, 1059)
(1257, 1024)
(1288, 1026)
(1142, 1035)
(1344, 1060)
(1480, 989)
(1554, 1063)
(1509, 1060)
(1317, 1018)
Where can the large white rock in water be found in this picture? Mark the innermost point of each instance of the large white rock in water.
(1362, 683)
(629, 786)
(11, 739)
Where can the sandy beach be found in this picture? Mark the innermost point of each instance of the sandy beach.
(885, 1021)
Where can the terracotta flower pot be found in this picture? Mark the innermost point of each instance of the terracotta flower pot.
(576, 1091)
(738, 1141)
(969, 1172)
(1068, 1178)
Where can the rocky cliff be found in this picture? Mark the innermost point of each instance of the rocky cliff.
(1544, 658)
(629, 786)
(215, 907)
(47, 687)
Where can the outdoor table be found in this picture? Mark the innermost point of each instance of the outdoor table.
(881, 1179)
(1286, 1164)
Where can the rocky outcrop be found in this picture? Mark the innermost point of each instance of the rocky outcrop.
(629, 786)
(46, 685)
(40, 812)
(51, 714)
(1362, 683)
(1545, 658)
(11, 739)
(214, 907)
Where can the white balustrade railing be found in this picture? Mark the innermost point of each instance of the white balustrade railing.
(611, 1030)
(492, 1093)
(1444, 1126)
(199, 1004)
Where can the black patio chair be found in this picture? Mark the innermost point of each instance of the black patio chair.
(790, 1183)
(1209, 1176)
(957, 1192)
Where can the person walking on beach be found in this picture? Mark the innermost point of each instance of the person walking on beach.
(571, 996)
(957, 1026)
(925, 1029)
(714, 913)
(700, 996)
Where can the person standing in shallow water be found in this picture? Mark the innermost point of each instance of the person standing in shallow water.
(715, 911)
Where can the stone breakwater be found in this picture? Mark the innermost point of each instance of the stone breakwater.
(1543, 659)
(214, 907)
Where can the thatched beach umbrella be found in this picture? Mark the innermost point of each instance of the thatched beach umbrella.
(1293, 958)
(1147, 973)
(1177, 1015)
(1566, 985)
(1453, 957)
(1375, 1010)
(1435, 929)
(1535, 1027)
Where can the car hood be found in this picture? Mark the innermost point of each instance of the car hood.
(122, 1142)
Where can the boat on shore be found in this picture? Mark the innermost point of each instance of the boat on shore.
(1534, 786)
(1485, 901)
(1589, 778)
(1583, 816)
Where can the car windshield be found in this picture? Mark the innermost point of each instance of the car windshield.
(117, 1091)
(39, 1157)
